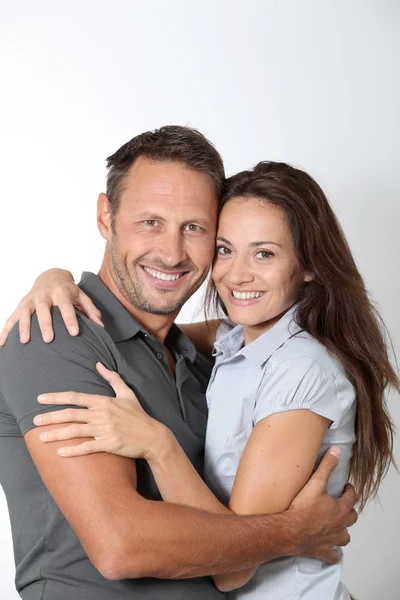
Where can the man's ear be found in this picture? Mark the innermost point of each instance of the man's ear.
(104, 216)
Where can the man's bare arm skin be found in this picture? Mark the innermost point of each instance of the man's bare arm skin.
(127, 536)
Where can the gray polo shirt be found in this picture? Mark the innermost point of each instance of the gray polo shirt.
(50, 561)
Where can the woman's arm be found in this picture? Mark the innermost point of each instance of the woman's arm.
(179, 483)
(276, 463)
(202, 334)
(55, 287)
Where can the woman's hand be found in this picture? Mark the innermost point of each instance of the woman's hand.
(118, 425)
(54, 287)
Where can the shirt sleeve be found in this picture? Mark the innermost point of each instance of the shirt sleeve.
(66, 364)
(298, 383)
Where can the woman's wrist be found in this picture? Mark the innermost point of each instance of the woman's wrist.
(163, 447)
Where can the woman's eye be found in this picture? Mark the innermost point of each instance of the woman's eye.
(223, 251)
(151, 222)
(263, 254)
(193, 227)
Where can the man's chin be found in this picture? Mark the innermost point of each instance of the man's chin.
(157, 307)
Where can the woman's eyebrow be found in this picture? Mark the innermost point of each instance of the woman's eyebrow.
(254, 244)
(251, 245)
(223, 240)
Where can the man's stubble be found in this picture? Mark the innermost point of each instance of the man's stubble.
(133, 289)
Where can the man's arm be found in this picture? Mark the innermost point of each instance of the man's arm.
(127, 536)
(124, 534)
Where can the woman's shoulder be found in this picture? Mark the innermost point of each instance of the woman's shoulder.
(303, 347)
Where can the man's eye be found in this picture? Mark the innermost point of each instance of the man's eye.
(263, 254)
(223, 251)
(151, 222)
(193, 227)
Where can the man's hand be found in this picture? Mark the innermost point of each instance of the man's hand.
(322, 520)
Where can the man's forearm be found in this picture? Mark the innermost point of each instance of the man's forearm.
(180, 542)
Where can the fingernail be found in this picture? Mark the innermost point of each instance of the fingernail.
(41, 398)
(47, 336)
(73, 330)
(61, 451)
(37, 420)
(24, 338)
(43, 436)
(336, 451)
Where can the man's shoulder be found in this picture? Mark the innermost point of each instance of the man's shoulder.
(91, 338)
(68, 363)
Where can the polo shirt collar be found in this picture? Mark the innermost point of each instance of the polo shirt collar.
(120, 324)
(180, 342)
(261, 349)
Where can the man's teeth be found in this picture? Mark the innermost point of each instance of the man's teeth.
(246, 295)
(160, 275)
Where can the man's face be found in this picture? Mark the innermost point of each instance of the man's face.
(163, 239)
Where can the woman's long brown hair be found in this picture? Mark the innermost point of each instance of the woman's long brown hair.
(333, 307)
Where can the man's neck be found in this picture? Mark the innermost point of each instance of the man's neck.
(157, 325)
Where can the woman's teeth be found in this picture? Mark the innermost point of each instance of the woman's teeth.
(163, 276)
(246, 295)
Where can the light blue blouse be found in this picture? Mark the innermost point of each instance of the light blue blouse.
(283, 369)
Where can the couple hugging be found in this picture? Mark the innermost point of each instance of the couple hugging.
(140, 459)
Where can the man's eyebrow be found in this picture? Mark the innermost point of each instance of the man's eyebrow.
(200, 220)
(205, 222)
(149, 216)
(251, 245)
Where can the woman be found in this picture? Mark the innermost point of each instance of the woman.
(306, 353)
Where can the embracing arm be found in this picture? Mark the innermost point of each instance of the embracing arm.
(124, 534)
(127, 536)
(120, 425)
(56, 287)
(276, 464)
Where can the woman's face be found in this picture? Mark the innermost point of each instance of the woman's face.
(256, 271)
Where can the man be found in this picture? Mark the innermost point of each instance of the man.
(92, 526)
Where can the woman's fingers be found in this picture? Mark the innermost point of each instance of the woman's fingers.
(76, 430)
(84, 448)
(68, 314)
(68, 415)
(24, 316)
(118, 385)
(76, 398)
(43, 311)
(85, 305)
(9, 324)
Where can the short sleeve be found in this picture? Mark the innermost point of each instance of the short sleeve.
(66, 364)
(298, 383)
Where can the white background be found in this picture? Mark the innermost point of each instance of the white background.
(312, 82)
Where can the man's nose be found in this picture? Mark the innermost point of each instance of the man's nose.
(172, 249)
